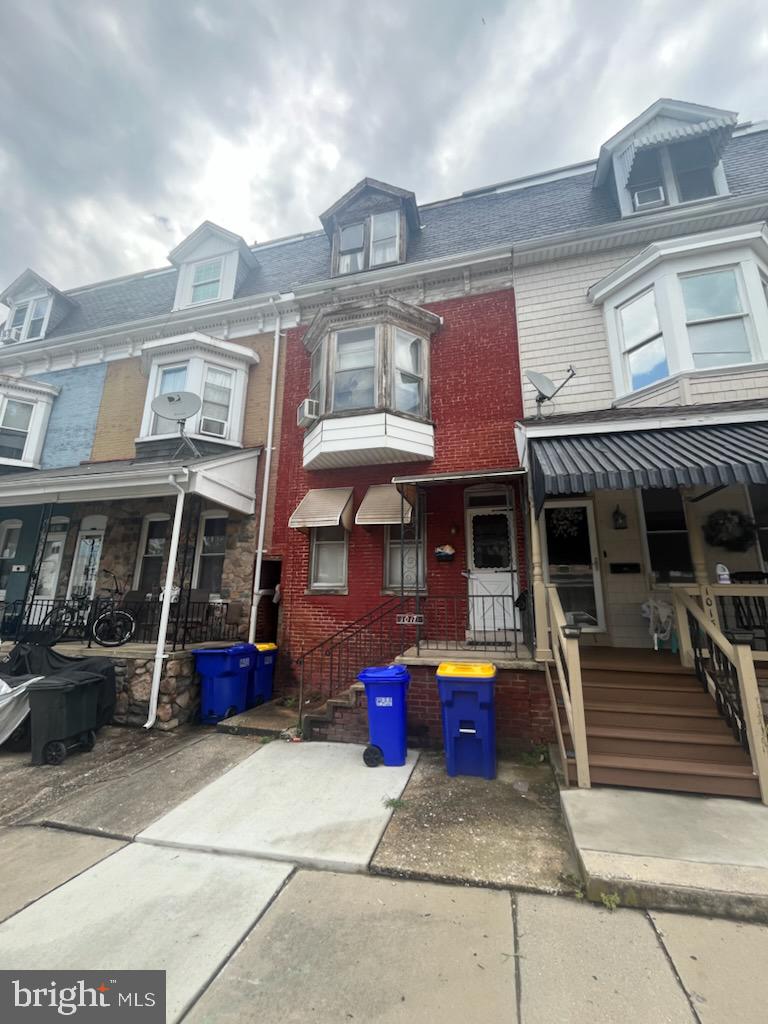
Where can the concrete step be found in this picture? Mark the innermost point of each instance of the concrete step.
(692, 746)
(685, 776)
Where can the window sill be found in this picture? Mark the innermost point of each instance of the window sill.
(687, 204)
(687, 374)
(309, 592)
(395, 592)
(19, 463)
(372, 411)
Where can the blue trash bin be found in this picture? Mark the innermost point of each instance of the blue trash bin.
(386, 690)
(224, 674)
(469, 717)
(261, 678)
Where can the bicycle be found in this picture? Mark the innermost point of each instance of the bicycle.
(110, 627)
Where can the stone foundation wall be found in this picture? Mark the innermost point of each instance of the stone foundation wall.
(179, 698)
(523, 714)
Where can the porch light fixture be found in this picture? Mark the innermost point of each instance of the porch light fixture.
(619, 519)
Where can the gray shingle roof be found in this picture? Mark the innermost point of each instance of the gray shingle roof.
(460, 225)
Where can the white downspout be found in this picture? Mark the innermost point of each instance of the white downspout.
(256, 595)
(165, 611)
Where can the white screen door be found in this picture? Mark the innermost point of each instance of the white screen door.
(492, 574)
(85, 566)
(571, 561)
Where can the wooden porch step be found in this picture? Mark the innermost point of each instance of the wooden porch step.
(617, 693)
(683, 776)
(703, 718)
(624, 660)
(642, 680)
(693, 746)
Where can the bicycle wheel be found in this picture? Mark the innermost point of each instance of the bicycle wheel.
(113, 628)
(57, 623)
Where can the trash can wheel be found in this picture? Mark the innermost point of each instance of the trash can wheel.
(231, 711)
(88, 740)
(373, 756)
(55, 752)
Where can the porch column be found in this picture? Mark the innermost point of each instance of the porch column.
(540, 619)
(698, 555)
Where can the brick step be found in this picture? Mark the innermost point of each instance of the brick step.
(643, 716)
(691, 746)
(321, 719)
(615, 693)
(682, 776)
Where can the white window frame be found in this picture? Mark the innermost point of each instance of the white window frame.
(203, 418)
(321, 588)
(58, 530)
(628, 349)
(217, 278)
(228, 276)
(216, 513)
(152, 517)
(40, 397)
(742, 315)
(653, 583)
(664, 277)
(669, 186)
(197, 360)
(23, 329)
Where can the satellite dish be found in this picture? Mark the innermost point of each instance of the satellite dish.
(177, 405)
(545, 389)
(542, 383)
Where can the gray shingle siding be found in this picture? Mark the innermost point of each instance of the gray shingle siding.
(461, 225)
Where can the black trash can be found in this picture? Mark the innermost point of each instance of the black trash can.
(64, 711)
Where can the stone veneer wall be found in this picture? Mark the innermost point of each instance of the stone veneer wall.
(179, 698)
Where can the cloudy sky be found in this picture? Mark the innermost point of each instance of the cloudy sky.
(124, 123)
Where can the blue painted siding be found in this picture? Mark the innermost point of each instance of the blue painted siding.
(72, 426)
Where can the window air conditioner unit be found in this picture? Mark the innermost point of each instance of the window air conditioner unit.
(307, 412)
(648, 198)
(10, 334)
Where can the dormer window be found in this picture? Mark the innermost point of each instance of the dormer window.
(374, 242)
(646, 182)
(692, 164)
(27, 321)
(206, 281)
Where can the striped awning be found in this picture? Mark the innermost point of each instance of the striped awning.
(381, 506)
(717, 455)
(324, 506)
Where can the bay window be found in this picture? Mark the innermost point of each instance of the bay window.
(328, 558)
(715, 319)
(409, 376)
(217, 401)
(354, 375)
(172, 378)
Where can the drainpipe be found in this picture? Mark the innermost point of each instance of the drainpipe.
(165, 611)
(256, 595)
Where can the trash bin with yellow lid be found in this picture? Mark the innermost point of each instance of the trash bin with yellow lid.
(469, 717)
(262, 675)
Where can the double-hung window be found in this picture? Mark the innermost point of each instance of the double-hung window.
(715, 318)
(372, 242)
(206, 281)
(328, 558)
(317, 374)
(384, 238)
(14, 428)
(27, 321)
(351, 248)
(172, 378)
(409, 373)
(667, 536)
(217, 401)
(212, 546)
(403, 559)
(645, 355)
(692, 166)
(155, 543)
(354, 377)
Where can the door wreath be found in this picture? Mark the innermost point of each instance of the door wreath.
(730, 529)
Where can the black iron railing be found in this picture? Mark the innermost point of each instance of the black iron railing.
(718, 677)
(480, 622)
(745, 612)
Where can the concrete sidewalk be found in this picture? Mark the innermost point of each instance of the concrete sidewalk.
(309, 803)
(707, 855)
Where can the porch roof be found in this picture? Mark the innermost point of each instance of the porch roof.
(716, 455)
(228, 481)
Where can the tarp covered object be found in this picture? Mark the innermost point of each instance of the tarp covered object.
(14, 704)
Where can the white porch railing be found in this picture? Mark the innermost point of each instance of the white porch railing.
(564, 644)
(725, 665)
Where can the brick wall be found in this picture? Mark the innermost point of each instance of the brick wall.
(475, 402)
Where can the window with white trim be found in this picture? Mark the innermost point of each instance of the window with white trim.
(206, 280)
(402, 559)
(211, 552)
(15, 420)
(10, 534)
(28, 319)
(666, 531)
(172, 378)
(373, 241)
(217, 401)
(715, 319)
(328, 558)
(642, 341)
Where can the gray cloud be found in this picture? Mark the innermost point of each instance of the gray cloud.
(123, 125)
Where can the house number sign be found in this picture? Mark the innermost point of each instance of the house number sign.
(410, 620)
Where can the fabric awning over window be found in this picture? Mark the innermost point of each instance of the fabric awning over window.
(327, 506)
(381, 507)
(721, 454)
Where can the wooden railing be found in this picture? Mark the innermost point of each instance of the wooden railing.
(564, 644)
(725, 666)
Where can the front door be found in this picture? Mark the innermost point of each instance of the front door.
(492, 574)
(571, 563)
(85, 566)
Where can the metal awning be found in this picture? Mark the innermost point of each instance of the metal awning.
(381, 506)
(470, 476)
(717, 455)
(326, 506)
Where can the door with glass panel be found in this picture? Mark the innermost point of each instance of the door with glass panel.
(571, 562)
(10, 534)
(50, 568)
(492, 569)
(85, 566)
